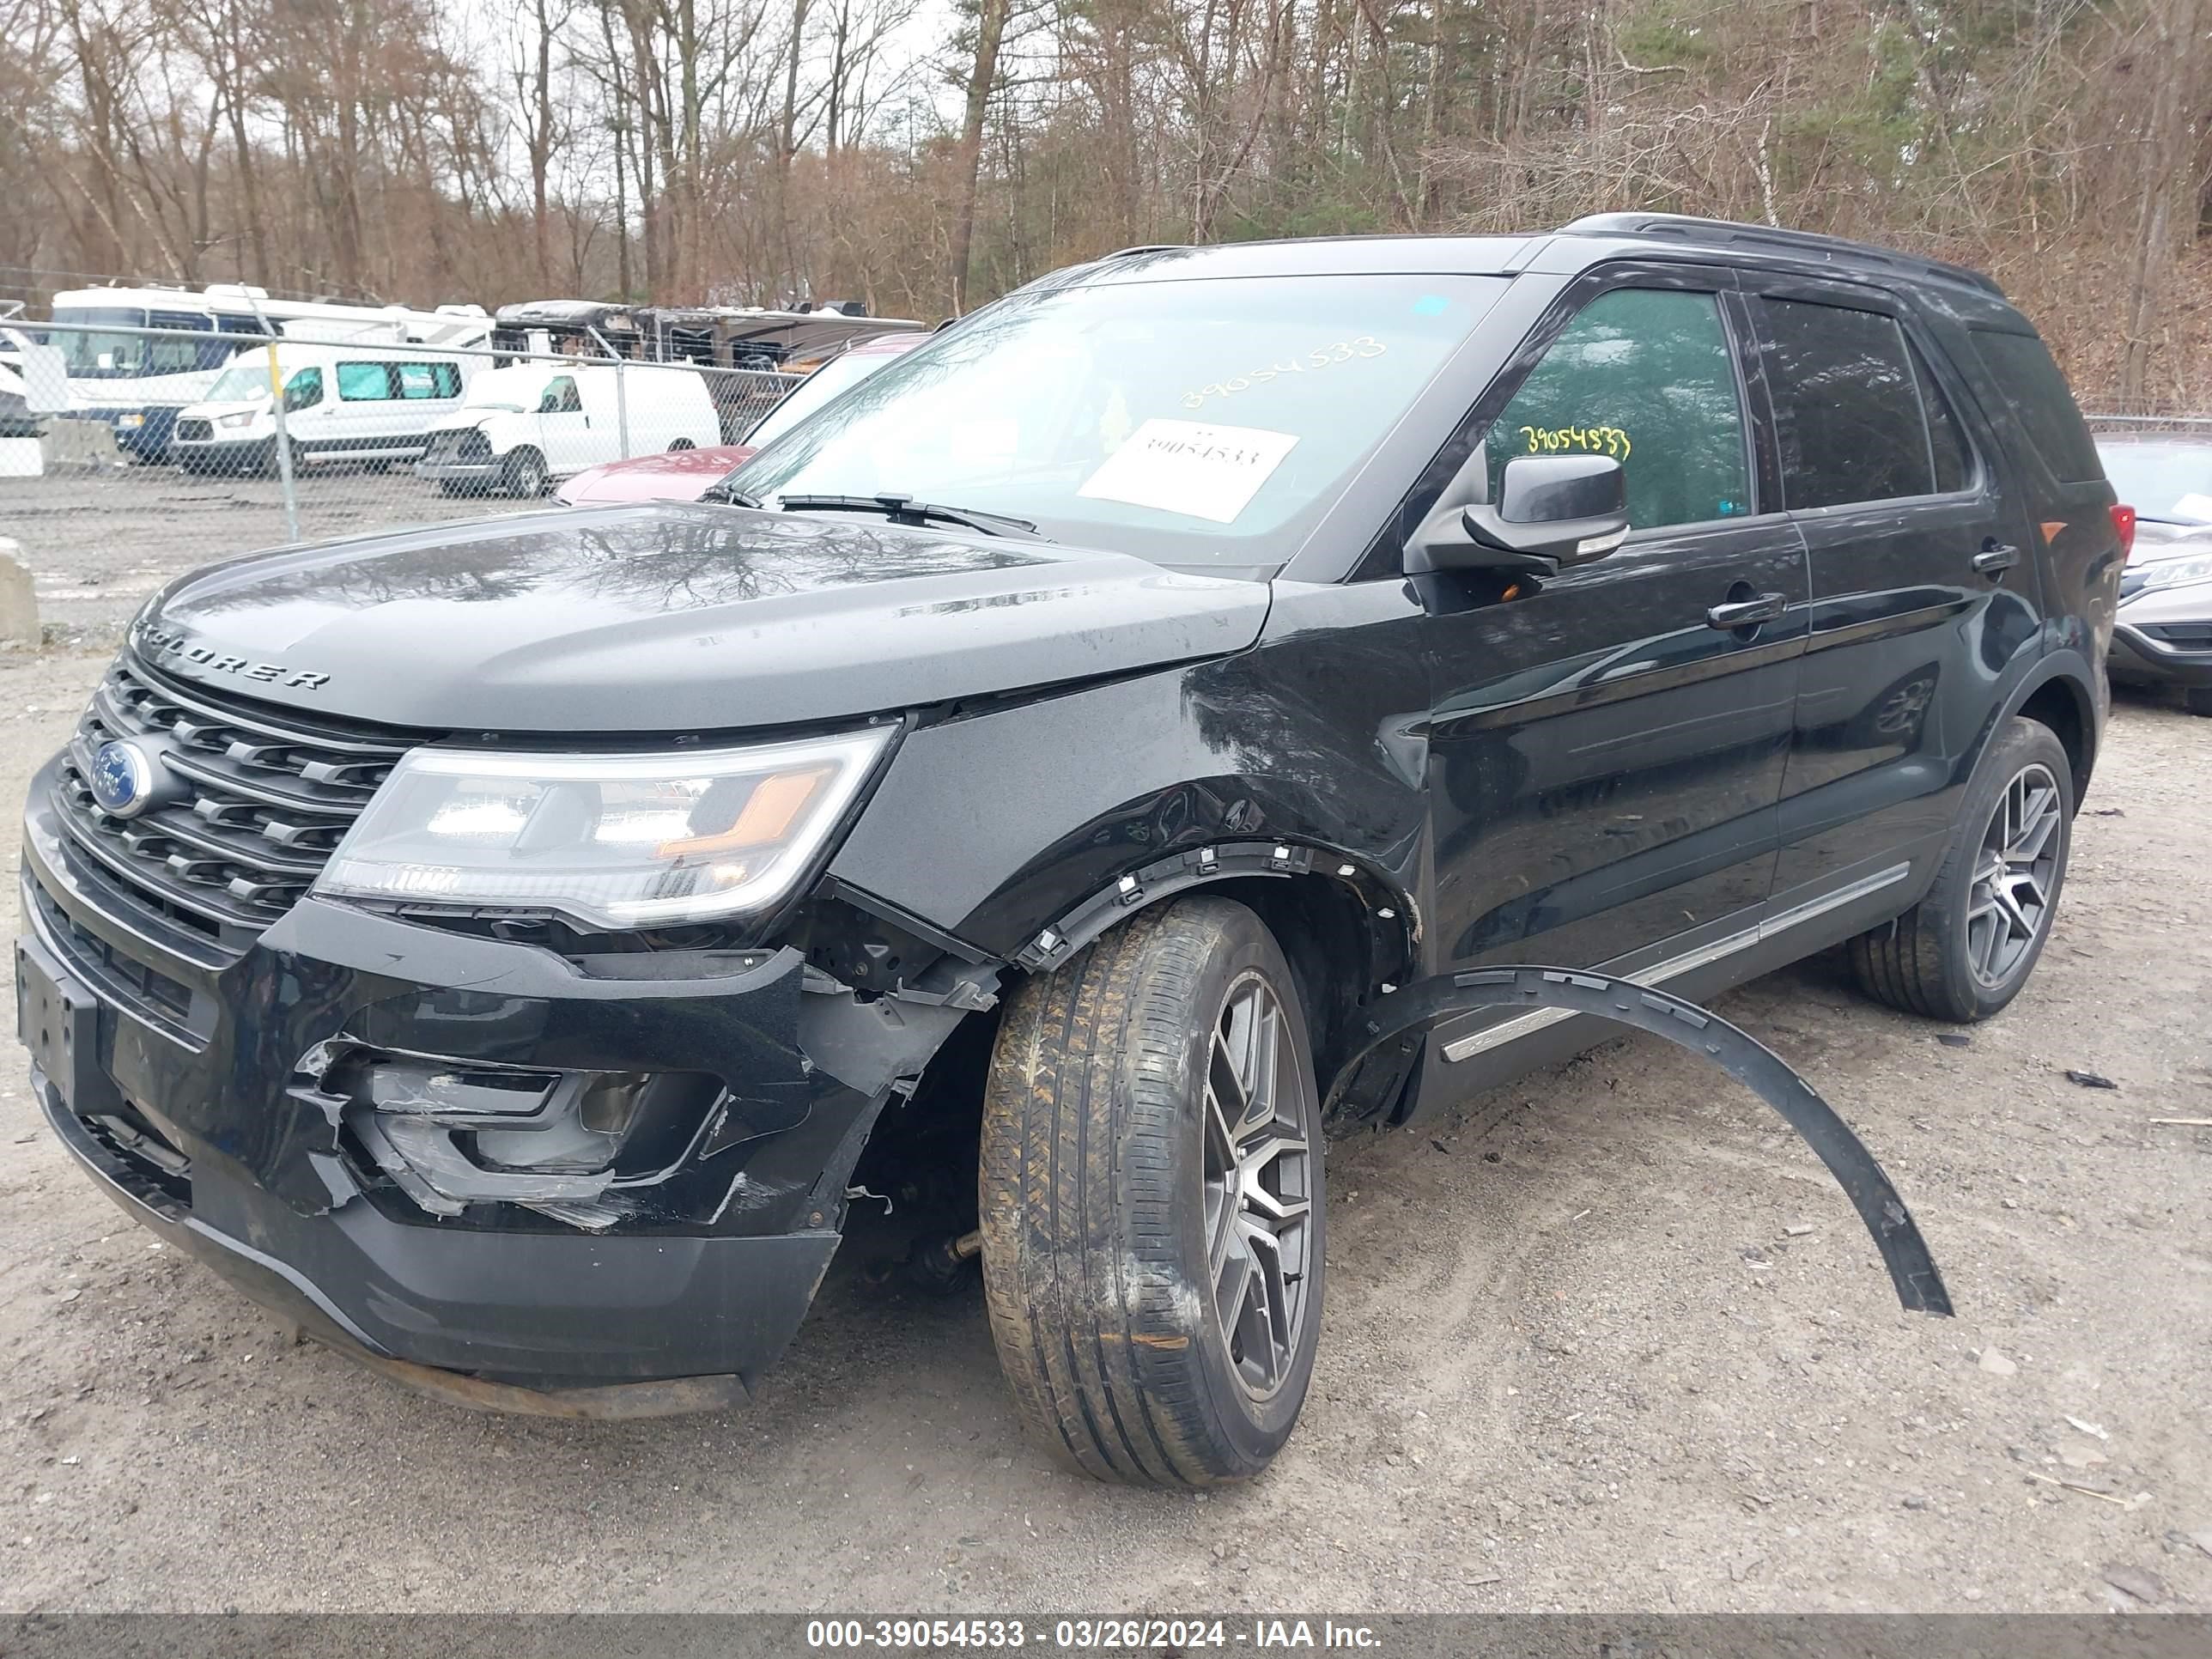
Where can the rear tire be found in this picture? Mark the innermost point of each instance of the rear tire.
(523, 474)
(1964, 951)
(1122, 1210)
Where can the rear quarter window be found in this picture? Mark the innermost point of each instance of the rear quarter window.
(2036, 392)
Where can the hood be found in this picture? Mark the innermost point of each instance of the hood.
(676, 475)
(2162, 538)
(676, 618)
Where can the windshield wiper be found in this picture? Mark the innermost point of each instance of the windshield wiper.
(720, 491)
(904, 509)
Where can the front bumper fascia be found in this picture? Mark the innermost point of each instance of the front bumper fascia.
(709, 1279)
(2136, 657)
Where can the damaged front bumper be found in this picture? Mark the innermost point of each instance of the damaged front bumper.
(592, 1185)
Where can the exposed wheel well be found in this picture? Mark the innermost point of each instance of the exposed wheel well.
(2062, 705)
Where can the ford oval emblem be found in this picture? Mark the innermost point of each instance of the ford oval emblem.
(122, 778)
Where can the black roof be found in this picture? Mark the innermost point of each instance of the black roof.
(1768, 239)
(1504, 255)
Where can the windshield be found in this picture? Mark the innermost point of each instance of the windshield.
(93, 350)
(817, 389)
(2170, 482)
(1183, 421)
(241, 382)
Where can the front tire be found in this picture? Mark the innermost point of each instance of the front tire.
(1964, 951)
(2197, 699)
(523, 474)
(1152, 1201)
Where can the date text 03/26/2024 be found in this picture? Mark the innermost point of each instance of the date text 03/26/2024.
(1086, 1635)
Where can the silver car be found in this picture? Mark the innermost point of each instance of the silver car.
(2164, 632)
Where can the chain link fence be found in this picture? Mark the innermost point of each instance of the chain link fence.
(129, 455)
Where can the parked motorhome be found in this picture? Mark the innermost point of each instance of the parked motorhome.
(137, 380)
(522, 426)
(363, 402)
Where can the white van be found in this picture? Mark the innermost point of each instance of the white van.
(521, 428)
(374, 402)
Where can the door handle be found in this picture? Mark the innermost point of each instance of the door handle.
(1995, 559)
(1747, 613)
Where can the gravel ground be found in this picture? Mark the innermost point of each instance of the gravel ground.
(1628, 1350)
(100, 543)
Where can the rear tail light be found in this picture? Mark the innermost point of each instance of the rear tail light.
(2123, 521)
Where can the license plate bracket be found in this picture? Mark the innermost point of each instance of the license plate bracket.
(57, 1018)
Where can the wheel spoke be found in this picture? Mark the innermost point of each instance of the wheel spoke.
(1258, 1183)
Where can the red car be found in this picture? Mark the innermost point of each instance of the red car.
(685, 475)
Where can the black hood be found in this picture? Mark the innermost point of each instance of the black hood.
(676, 617)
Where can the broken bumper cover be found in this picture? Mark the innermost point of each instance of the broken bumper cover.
(195, 1078)
(560, 1317)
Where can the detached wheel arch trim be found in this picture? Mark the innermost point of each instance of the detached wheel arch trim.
(1904, 1252)
(1154, 884)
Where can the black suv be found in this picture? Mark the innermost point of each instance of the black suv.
(508, 946)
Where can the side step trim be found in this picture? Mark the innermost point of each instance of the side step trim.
(1689, 962)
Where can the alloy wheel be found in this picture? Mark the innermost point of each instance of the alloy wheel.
(2015, 876)
(1258, 1183)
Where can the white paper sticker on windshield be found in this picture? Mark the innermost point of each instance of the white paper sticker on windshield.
(2198, 508)
(1192, 467)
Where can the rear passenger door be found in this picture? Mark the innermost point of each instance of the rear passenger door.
(1607, 745)
(1924, 588)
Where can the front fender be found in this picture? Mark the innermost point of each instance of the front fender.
(1000, 825)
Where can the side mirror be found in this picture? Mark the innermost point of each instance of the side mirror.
(1551, 511)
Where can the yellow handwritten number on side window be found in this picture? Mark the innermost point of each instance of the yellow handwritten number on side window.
(1595, 439)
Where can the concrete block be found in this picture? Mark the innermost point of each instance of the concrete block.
(69, 443)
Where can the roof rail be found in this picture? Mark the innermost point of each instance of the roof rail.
(1726, 232)
(1145, 247)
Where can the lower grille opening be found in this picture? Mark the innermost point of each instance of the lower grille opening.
(156, 1165)
(153, 990)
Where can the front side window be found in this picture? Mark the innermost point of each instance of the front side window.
(1847, 407)
(1647, 375)
(304, 390)
(561, 397)
(1210, 420)
(364, 383)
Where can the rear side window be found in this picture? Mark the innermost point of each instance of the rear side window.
(1847, 411)
(1946, 442)
(2036, 392)
(1645, 375)
(364, 383)
(429, 381)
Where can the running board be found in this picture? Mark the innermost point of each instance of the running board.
(1511, 1030)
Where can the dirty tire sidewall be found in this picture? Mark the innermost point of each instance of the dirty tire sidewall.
(1920, 962)
(1094, 1249)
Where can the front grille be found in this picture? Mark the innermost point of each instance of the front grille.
(194, 432)
(270, 795)
(2182, 636)
(470, 446)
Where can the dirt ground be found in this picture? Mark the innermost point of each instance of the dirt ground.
(1629, 1351)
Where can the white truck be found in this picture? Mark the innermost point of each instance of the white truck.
(522, 426)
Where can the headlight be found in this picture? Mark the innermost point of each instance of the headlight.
(243, 418)
(615, 841)
(131, 420)
(2172, 573)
